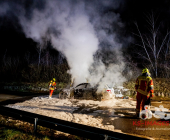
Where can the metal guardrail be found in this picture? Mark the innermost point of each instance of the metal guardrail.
(65, 126)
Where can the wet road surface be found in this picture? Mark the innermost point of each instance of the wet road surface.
(129, 124)
(126, 122)
(11, 97)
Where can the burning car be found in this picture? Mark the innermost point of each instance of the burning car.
(87, 91)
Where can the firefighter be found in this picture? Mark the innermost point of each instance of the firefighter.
(144, 88)
(52, 86)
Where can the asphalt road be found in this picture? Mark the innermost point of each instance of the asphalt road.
(127, 124)
(8, 97)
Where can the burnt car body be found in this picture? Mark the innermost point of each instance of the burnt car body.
(86, 91)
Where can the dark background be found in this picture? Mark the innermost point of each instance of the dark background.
(19, 57)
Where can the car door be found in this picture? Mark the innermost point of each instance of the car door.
(88, 88)
(88, 92)
(79, 90)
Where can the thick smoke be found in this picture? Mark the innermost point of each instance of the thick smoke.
(82, 30)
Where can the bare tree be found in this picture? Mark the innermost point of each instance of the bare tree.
(39, 50)
(4, 57)
(149, 42)
(27, 57)
(166, 63)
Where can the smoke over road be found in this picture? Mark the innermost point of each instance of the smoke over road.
(83, 31)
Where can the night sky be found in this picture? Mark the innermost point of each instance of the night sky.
(15, 43)
(130, 10)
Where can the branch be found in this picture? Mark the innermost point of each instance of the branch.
(135, 34)
(149, 43)
(149, 21)
(157, 29)
(163, 42)
(157, 17)
(150, 30)
(139, 45)
(167, 48)
(144, 44)
(143, 56)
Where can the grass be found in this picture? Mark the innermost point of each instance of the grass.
(28, 87)
(37, 84)
(11, 129)
(129, 85)
(13, 134)
(16, 130)
(160, 84)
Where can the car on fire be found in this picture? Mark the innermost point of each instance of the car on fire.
(87, 91)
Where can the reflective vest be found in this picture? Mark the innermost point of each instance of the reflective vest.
(52, 85)
(144, 85)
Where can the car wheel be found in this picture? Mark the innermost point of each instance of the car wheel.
(62, 95)
(65, 96)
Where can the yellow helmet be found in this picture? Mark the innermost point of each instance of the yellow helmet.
(54, 79)
(145, 70)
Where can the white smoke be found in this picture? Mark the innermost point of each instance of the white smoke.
(78, 43)
(107, 34)
(110, 75)
(77, 29)
(70, 32)
(4, 10)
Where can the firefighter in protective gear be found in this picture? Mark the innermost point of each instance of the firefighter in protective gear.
(52, 87)
(144, 88)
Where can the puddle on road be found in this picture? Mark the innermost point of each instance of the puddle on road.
(121, 118)
(6, 99)
(166, 104)
(126, 121)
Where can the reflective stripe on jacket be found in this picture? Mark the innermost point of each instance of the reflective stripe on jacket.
(52, 85)
(144, 85)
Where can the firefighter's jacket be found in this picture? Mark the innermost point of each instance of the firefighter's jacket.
(52, 85)
(144, 85)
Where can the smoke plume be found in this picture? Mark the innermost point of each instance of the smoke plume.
(83, 31)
